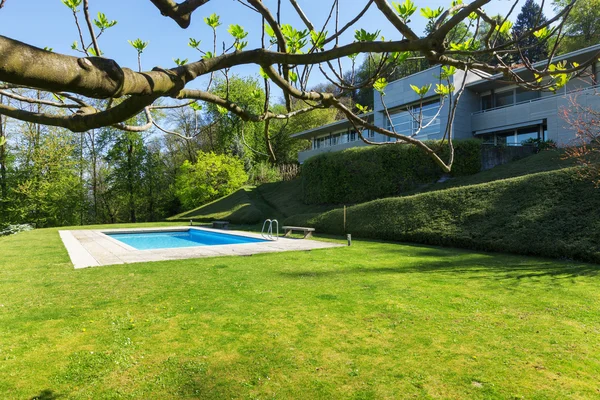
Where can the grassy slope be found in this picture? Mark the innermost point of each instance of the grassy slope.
(252, 205)
(541, 162)
(374, 320)
(282, 200)
(549, 213)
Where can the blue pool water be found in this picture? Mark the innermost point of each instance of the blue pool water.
(172, 240)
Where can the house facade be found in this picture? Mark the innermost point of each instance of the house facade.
(491, 109)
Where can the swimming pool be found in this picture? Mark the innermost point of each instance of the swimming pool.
(178, 239)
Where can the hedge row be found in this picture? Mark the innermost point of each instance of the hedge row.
(365, 173)
(553, 214)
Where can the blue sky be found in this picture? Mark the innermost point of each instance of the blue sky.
(50, 23)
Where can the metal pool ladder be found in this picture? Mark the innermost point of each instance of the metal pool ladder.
(269, 232)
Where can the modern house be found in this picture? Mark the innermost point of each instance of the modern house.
(490, 108)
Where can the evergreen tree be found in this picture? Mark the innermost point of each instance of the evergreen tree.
(531, 16)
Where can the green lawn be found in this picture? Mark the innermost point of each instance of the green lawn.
(375, 320)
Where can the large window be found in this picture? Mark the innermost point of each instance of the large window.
(526, 95)
(508, 98)
(517, 137)
(505, 98)
(406, 122)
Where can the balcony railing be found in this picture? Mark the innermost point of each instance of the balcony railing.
(538, 99)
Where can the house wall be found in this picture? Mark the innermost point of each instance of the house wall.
(548, 108)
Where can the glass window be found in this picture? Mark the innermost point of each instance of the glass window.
(489, 139)
(406, 122)
(525, 136)
(486, 102)
(352, 135)
(504, 98)
(335, 139)
(523, 94)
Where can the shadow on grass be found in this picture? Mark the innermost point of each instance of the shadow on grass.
(462, 262)
(47, 394)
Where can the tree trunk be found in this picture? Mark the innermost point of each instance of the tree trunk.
(130, 183)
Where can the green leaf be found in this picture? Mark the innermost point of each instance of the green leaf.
(296, 40)
(92, 51)
(262, 73)
(269, 31)
(196, 107)
(443, 90)
(194, 44)
(399, 57)
(213, 21)
(208, 55)
(2, 140)
(505, 27)
(317, 39)
(180, 62)
(421, 91)
(380, 85)
(542, 33)
(237, 32)
(405, 10)
(74, 46)
(364, 36)
(103, 23)
(361, 108)
(72, 4)
(139, 45)
(467, 45)
(293, 76)
(431, 14)
(447, 71)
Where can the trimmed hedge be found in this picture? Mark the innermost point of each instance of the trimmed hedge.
(553, 214)
(361, 174)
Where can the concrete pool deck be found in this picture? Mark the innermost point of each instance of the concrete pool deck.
(92, 248)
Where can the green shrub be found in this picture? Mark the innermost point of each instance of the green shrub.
(364, 173)
(212, 176)
(263, 172)
(553, 214)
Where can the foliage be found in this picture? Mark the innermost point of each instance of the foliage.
(211, 176)
(252, 205)
(14, 229)
(582, 27)
(365, 173)
(232, 134)
(263, 172)
(552, 214)
(286, 147)
(47, 187)
(530, 17)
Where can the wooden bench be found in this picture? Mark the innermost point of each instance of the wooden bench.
(220, 224)
(289, 229)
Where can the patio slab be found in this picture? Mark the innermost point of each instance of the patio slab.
(92, 248)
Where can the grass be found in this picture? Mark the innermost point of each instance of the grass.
(553, 214)
(548, 160)
(374, 320)
(281, 200)
(252, 205)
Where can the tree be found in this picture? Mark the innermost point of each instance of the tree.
(533, 48)
(286, 57)
(210, 177)
(582, 27)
